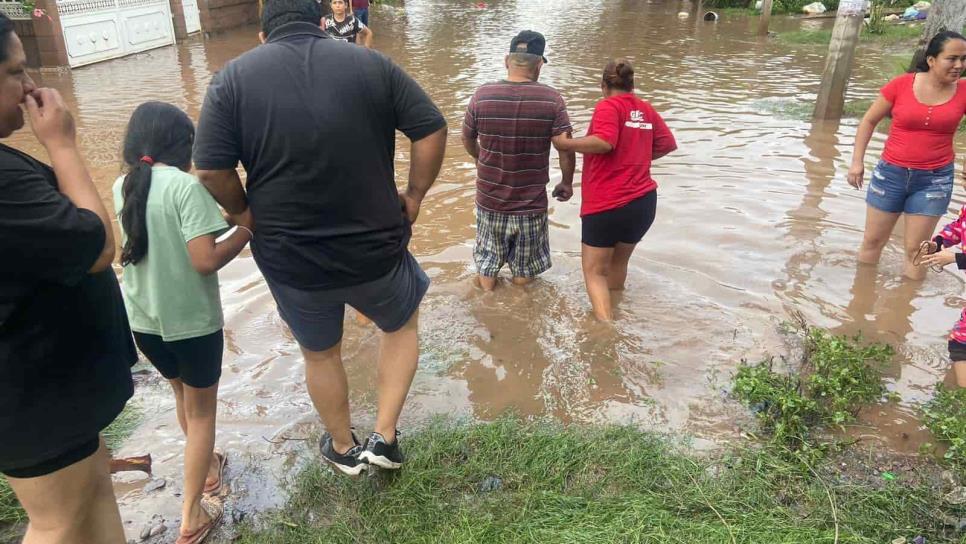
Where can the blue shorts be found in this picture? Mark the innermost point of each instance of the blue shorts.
(315, 317)
(896, 189)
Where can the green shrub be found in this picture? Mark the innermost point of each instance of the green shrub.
(945, 415)
(837, 377)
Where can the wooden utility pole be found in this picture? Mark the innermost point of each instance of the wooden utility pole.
(765, 18)
(943, 15)
(838, 64)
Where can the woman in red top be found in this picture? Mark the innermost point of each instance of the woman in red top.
(915, 174)
(619, 194)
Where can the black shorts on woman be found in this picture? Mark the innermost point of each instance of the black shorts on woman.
(625, 225)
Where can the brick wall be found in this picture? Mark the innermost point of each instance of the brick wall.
(48, 47)
(177, 17)
(25, 30)
(219, 15)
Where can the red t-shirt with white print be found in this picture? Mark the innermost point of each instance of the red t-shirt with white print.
(637, 132)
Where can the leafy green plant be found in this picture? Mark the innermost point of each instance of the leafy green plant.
(838, 376)
(844, 374)
(876, 23)
(945, 415)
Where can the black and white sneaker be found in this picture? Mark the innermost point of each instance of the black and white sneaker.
(348, 462)
(378, 452)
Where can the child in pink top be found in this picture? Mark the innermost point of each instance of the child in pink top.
(951, 235)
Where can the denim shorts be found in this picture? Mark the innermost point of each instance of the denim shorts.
(896, 189)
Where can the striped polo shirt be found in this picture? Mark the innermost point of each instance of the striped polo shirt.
(514, 123)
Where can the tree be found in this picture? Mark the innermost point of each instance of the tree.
(943, 15)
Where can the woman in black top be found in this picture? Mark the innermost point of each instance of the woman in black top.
(65, 346)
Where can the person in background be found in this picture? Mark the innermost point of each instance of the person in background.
(914, 177)
(332, 228)
(360, 8)
(65, 346)
(171, 259)
(508, 129)
(346, 26)
(619, 196)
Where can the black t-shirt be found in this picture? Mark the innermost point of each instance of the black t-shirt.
(313, 122)
(346, 30)
(65, 347)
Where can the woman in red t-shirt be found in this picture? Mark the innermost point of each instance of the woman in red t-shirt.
(619, 194)
(915, 174)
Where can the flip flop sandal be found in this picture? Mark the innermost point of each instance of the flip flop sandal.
(201, 533)
(923, 251)
(217, 487)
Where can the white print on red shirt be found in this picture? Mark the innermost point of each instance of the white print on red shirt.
(637, 121)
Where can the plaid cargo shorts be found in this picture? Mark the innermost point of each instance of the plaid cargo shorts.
(522, 241)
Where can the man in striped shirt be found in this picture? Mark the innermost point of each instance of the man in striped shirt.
(508, 128)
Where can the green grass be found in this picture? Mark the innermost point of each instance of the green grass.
(892, 34)
(779, 7)
(735, 11)
(519, 482)
(837, 376)
(115, 435)
(945, 416)
(121, 428)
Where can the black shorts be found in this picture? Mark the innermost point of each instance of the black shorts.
(61, 460)
(625, 225)
(957, 351)
(194, 361)
(315, 317)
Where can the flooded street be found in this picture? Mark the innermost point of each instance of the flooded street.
(755, 222)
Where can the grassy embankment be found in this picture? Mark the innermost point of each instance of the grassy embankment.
(891, 34)
(515, 481)
(10, 511)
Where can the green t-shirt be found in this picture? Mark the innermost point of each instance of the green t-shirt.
(163, 293)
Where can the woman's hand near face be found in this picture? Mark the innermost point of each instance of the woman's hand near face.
(50, 119)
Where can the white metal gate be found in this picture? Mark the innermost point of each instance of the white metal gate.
(96, 30)
(14, 10)
(192, 17)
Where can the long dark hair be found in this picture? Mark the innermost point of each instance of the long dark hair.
(156, 133)
(935, 48)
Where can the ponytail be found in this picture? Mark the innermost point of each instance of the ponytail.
(134, 213)
(157, 132)
(619, 74)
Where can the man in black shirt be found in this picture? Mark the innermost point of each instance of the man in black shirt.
(317, 142)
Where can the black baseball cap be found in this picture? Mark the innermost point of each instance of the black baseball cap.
(530, 42)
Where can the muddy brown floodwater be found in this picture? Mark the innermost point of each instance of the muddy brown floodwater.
(755, 221)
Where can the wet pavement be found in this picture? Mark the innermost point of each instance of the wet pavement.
(755, 222)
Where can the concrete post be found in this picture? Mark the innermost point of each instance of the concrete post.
(765, 18)
(838, 64)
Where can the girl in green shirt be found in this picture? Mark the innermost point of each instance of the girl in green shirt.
(169, 225)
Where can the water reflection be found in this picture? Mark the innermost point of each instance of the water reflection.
(754, 221)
